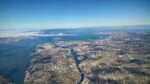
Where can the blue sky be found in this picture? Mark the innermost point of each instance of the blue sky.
(27, 14)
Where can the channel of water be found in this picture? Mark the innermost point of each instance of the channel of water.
(77, 62)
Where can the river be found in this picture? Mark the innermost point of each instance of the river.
(77, 62)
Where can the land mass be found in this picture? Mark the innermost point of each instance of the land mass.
(122, 58)
(52, 65)
(4, 80)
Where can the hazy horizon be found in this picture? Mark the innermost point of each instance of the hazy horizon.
(35, 31)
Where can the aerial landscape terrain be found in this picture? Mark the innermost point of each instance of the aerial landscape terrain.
(74, 41)
(70, 56)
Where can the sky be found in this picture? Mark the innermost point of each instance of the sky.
(34, 14)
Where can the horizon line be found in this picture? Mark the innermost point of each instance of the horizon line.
(40, 28)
